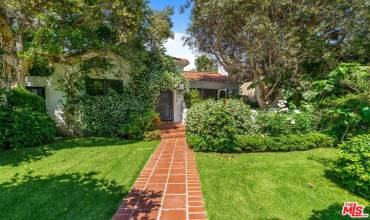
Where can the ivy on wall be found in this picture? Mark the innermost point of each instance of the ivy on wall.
(103, 115)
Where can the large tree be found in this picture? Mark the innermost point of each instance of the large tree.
(274, 43)
(204, 63)
(74, 31)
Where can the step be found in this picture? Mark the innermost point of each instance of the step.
(173, 135)
(170, 131)
(166, 126)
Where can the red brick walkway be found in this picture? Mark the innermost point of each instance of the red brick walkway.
(168, 187)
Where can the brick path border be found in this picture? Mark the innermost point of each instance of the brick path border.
(168, 187)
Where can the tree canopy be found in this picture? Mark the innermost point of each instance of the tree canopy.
(276, 43)
(205, 64)
(43, 31)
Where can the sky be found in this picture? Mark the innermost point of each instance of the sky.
(175, 47)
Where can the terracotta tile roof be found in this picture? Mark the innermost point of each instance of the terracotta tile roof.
(206, 76)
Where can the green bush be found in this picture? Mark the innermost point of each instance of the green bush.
(138, 124)
(22, 98)
(353, 166)
(346, 116)
(23, 127)
(105, 115)
(276, 123)
(152, 135)
(5, 124)
(192, 97)
(216, 123)
(293, 142)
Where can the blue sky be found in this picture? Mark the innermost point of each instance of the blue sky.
(180, 21)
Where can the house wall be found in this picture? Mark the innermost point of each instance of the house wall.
(178, 106)
(178, 100)
(53, 94)
(212, 85)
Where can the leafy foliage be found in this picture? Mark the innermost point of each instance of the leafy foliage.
(138, 125)
(348, 78)
(41, 67)
(276, 123)
(212, 125)
(114, 114)
(192, 97)
(22, 98)
(343, 98)
(230, 126)
(152, 135)
(345, 116)
(24, 122)
(353, 165)
(205, 64)
(289, 142)
(293, 40)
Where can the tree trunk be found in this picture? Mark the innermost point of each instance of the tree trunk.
(260, 96)
(9, 58)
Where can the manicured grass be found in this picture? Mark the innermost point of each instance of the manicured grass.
(71, 179)
(291, 185)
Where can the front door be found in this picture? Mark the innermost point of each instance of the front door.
(165, 106)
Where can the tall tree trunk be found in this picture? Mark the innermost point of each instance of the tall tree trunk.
(9, 58)
(260, 96)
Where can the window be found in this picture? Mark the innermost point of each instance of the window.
(222, 94)
(210, 93)
(40, 91)
(103, 86)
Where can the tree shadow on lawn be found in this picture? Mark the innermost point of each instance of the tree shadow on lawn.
(330, 174)
(66, 196)
(17, 156)
(332, 212)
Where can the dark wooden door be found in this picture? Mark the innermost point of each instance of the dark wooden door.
(165, 106)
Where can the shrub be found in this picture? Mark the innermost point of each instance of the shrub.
(22, 98)
(293, 142)
(192, 97)
(5, 124)
(216, 123)
(346, 116)
(138, 124)
(23, 127)
(353, 166)
(276, 123)
(152, 135)
(105, 115)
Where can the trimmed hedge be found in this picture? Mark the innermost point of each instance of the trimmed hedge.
(261, 143)
(29, 128)
(20, 97)
(24, 122)
(353, 166)
(292, 142)
(230, 126)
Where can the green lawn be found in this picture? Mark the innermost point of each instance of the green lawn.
(71, 179)
(293, 185)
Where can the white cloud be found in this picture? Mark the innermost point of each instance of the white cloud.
(175, 47)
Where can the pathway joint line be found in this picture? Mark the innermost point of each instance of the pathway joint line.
(168, 186)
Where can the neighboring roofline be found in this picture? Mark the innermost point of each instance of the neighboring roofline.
(207, 76)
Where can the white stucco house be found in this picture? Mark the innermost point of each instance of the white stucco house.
(171, 105)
